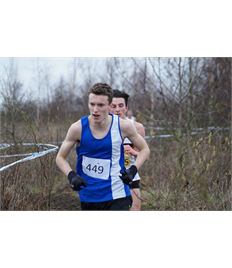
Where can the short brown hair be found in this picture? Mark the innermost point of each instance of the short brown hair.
(102, 89)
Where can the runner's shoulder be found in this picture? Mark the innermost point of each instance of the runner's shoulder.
(138, 126)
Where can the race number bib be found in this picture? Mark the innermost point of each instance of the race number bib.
(97, 168)
(127, 161)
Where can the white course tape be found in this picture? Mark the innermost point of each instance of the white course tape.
(168, 135)
(6, 145)
(32, 155)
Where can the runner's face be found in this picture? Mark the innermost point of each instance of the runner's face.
(119, 107)
(98, 107)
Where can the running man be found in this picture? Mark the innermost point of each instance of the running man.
(101, 178)
(130, 115)
(120, 107)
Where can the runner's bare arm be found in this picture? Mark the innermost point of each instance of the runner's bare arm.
(140, 129)
(138, 141)
(73, 135)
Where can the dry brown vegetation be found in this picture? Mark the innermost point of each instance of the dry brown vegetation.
(203, 182)
(185, 171)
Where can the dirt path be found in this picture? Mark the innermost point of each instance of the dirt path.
(65, 201)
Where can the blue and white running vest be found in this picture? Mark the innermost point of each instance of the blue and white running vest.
(99, 162)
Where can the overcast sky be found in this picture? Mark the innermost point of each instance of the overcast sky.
(26, 67)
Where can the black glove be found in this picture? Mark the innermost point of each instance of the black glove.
(76, 181)
(129, 174)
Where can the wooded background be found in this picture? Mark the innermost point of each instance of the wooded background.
(187, 99)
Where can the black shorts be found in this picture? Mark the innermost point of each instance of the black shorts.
(134, 185)
(116, 204)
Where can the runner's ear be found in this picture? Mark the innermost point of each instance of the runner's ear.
(111, 106)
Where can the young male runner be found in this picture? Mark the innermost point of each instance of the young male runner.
(130, 116)
(120, 107)
(101, 178)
